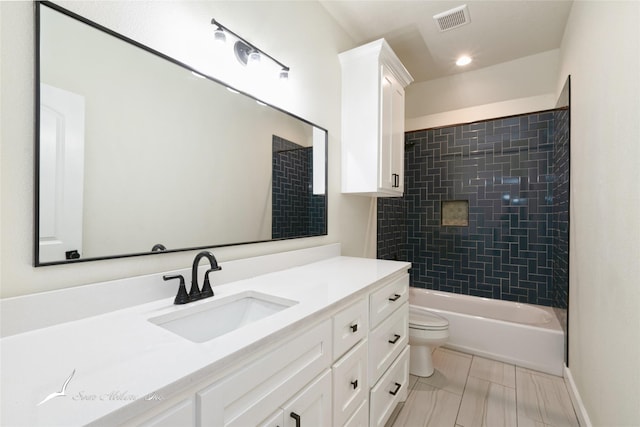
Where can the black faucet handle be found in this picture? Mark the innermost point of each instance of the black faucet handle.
(206, 286)
(182, 296)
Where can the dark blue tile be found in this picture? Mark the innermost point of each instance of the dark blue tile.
(521, 236)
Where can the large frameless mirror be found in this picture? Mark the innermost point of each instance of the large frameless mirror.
(136, 153)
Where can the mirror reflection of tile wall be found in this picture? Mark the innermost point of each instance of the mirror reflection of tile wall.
(296, 211)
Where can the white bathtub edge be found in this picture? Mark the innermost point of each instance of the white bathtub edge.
(546, 368)
(576, 400)
(531, 346)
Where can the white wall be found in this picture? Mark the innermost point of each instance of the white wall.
(300, 34)
(520, 86)
(600, 51)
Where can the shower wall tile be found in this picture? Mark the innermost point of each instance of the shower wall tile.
(504, 168)
(561, 209)
(392, 232)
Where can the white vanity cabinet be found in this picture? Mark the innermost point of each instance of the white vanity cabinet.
(254, 393)
(390, 389)
(292, 384)
(311, 406)
(361, 417)
(388, 348)
(373, 82)
(350, 369)
(346, 367)
(180, 414)
(350, 373)
(350, 386)
(350, 325)
(324, 359)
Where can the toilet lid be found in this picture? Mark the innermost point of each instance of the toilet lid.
(419, 318)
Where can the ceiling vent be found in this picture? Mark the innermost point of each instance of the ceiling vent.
(453, 18)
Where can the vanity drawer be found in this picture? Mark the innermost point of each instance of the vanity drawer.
(387, 299)
(390, 390)
(349, 327)
(180, 414)
(387, 341)
(360, 418)
(350, 386)
(275, 420)
(256, 390)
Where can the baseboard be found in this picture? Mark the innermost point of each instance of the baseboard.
(576, 400)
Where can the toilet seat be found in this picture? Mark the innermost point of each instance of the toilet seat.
(425, 320)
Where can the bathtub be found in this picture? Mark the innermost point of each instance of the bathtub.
(522, 334)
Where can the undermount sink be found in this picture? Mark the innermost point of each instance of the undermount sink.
(205, 321)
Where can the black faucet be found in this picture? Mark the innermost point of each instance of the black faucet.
(195, 293)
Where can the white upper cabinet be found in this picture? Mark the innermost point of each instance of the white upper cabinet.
(373, 82)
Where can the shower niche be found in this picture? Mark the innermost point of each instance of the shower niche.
(454, 213)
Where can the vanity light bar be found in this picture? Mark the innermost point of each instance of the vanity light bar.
(248, 49)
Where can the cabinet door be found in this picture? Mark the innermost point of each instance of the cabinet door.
(274, 420)
(350, 385)
(390, 390)
(397, 137)
(349, 327)
(181, 414)
(252, 393)
(360, 418)
(387, 341)
(391, 156)
(312, 406)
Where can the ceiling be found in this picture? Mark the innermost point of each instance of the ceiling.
(499, 31)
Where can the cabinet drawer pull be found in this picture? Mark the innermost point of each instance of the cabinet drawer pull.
(354, 328)
(395, 339)
(395, 178)
(354, 384)
(395, 297)
(394, 392)
(297, 417)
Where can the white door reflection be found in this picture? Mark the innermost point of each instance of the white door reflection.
(61, 173)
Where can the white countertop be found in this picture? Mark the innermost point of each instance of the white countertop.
(121, 362)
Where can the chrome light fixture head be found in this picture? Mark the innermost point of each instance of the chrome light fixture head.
(242, 51)
(254, 58)
(245, 52)
(219, 35)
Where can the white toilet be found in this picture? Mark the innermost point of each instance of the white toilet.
(427, 331)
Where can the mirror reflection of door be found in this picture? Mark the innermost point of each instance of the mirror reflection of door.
(61, 174)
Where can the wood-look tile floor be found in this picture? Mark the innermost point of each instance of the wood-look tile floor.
(468, 391)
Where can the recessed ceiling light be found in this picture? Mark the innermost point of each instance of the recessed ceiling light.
(463, 60)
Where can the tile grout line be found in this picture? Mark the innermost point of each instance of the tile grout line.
(518, 380)
(464, 389)
(515, 380)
